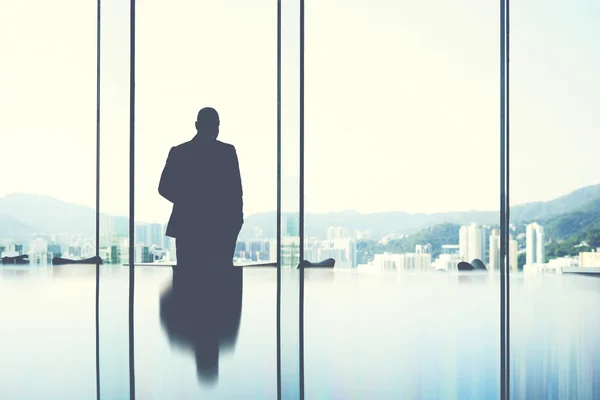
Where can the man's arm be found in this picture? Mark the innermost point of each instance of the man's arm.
(168, 180)
(238, 193)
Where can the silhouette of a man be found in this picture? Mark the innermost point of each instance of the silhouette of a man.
(202, 180)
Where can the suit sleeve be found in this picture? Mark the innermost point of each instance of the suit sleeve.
(238, 193)
(167, 187)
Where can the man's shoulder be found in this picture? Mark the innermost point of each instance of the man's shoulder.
(216, 145)
(224, 145)
(182, 146)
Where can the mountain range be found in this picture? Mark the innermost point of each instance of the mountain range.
(23, 214)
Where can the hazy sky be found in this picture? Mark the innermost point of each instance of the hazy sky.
(402, 99)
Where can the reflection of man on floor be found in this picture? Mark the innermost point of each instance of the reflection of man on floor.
(202, 311)
(202, 180)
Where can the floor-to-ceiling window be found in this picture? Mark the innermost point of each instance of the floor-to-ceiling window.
(402, 184)
(113, 195)
(191, 55)
(47, 199)
(555, 199)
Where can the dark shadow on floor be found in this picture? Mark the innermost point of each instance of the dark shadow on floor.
(202, 310)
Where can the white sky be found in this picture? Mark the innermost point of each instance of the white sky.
(402, 99)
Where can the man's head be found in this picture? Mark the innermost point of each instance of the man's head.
(207, 123)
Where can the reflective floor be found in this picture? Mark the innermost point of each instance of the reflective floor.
(381, 336)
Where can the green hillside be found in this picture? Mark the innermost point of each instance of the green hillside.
(586, 241)
(574, 223)
(573, 232)
(436, 235)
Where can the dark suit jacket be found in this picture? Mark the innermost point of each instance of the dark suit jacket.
(202, 180)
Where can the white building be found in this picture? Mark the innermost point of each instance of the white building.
(336, 232)
(402, 262)
(157, 236)
(273, 250)
(472, 242)
(38, 253)
(362, 235)
(423, 248)
(513, 252)
(589, 259)
(447, 262)
(343, 250)
(449, 258)
(494, 264)
(534, 244)
(554, 266)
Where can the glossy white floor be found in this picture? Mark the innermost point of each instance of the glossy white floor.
(413, 336)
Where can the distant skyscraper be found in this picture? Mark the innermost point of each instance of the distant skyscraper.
(513, 254)
(273, 250)
(336, 232)
(472, 242)
(142, 233)
(423, 248)
(494, 264)
(107, 225)
(121, 226)
(290, 251)
(290, 224)
(157, 235)
(534, 244)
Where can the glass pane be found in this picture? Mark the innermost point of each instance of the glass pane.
(192, 55)
(114, 200)
(289, 284)
(47, 199)
(402, 184)
(555, 198)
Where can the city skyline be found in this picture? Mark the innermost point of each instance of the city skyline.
(151, 245)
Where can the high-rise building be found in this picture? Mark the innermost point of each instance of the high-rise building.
(107, 225)
(423, 248)
(257, 250)
(290, 223)
(336, 232)
(494, 264)
(172, 247)
(534, 244)
(156, 235)
(362, 235)
(54, 249)
(39, 251)
(290, 251)
(273, 250)
(121, 226)
(142, 234)
(513, 252)
(472, 242)
(348, 248)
